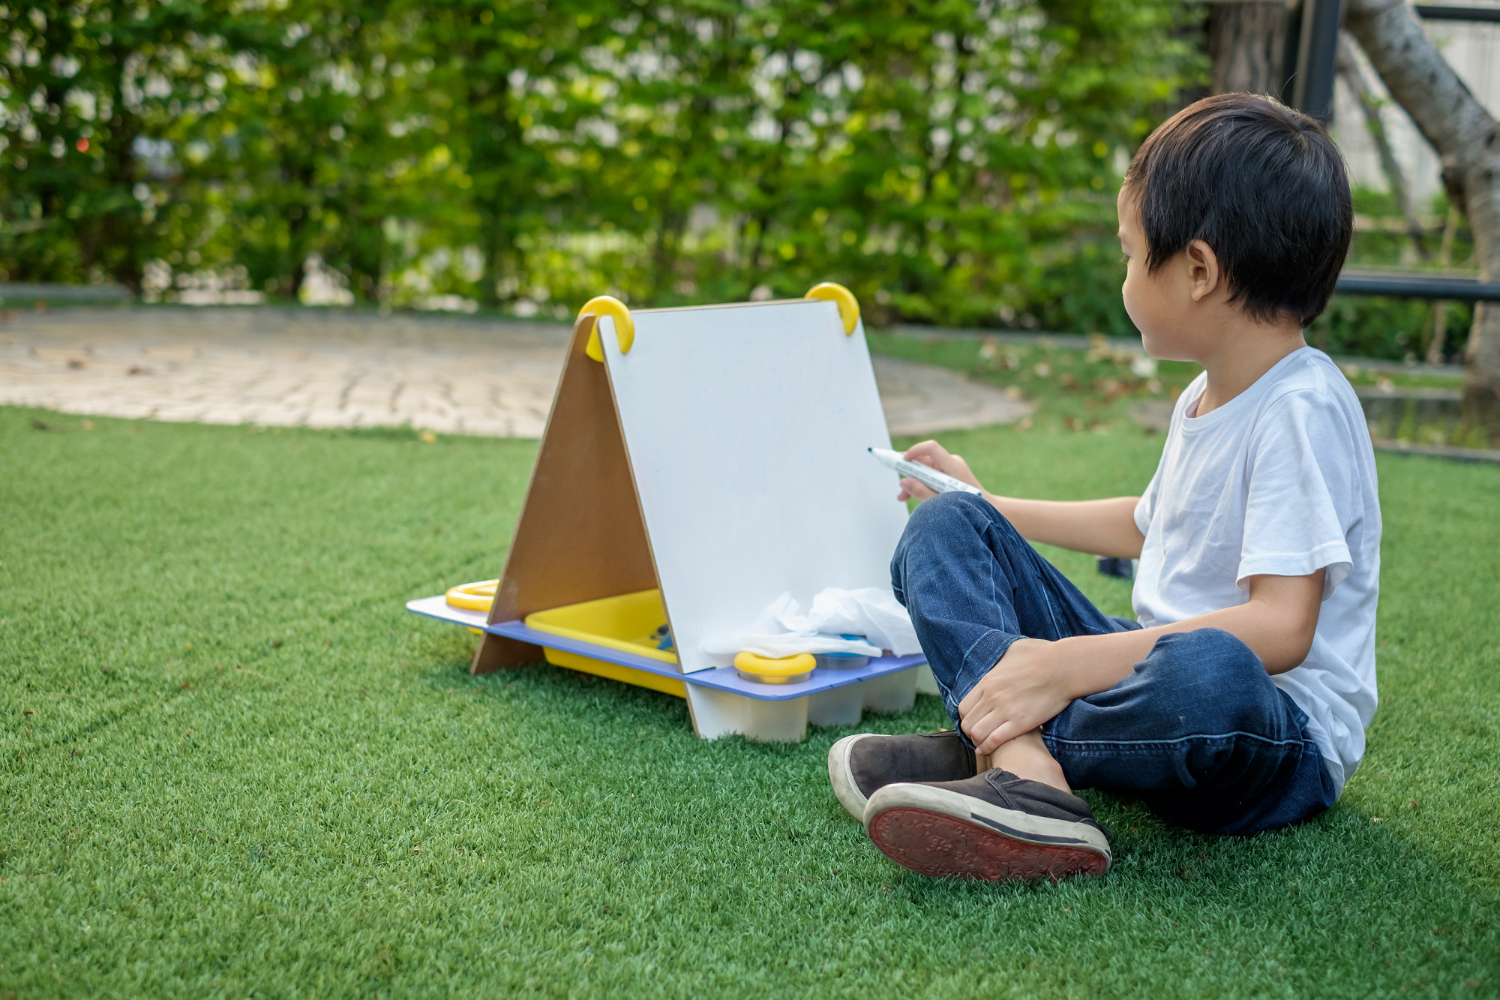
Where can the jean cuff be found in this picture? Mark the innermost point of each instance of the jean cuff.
(979, 659)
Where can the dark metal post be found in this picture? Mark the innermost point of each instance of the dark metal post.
(1317, 48)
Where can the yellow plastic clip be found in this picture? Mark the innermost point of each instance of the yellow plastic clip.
(604, 305)
(792, 669)
(847, 303)
(473, 596)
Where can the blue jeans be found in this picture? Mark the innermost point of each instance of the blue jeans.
(1197, 730)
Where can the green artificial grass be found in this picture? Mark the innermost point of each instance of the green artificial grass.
(233, 765)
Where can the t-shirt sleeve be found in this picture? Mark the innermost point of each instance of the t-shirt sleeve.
(1301, 502)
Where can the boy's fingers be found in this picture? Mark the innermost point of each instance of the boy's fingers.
(916, 488)
(1001, 735)
(982, 729)
(928, 453)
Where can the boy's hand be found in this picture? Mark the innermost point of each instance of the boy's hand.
(1019, 693)
(933, 454)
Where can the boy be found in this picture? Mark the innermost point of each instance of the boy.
(1238, 702)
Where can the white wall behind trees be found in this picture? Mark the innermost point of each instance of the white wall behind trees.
(1473, 50)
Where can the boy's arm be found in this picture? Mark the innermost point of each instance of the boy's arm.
(1036, 679)
(1099, 527)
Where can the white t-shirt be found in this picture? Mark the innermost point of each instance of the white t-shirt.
(1279, 480)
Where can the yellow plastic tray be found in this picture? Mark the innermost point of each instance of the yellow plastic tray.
(625, 623)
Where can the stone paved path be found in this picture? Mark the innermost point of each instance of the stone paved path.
(339, 369)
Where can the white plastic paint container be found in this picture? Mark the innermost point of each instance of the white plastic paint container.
(776, 721)
(841, 706)
(892, 693)
(783, 721)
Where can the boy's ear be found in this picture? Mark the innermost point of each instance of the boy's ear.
(1204, 274)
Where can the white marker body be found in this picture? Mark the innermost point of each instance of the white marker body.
(925, 474)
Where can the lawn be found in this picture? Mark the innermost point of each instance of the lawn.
(234, 765)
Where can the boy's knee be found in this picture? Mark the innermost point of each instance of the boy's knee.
(1207, 651)
(950, 512)
(947, 530)
(1213, 675)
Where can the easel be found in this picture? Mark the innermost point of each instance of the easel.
(605, 512)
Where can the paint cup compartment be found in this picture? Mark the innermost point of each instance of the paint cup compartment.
(841, 706)
(892, 693)
(775, 721)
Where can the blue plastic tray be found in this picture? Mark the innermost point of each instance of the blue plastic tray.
(721, 678)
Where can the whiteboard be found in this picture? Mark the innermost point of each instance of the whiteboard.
(747, 428)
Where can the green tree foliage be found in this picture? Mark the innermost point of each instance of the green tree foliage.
(93, 99)
(950, 160)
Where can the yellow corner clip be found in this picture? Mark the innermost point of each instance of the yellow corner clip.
(472, 596)
(847, 303)
(605, 305)
(792, 669)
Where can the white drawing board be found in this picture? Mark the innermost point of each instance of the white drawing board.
(746, 429)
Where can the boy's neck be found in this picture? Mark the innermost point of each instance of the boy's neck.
(1240, 354)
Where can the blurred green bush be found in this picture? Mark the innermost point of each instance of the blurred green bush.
(952, 161)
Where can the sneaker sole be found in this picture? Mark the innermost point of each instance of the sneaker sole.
(841, 776)
(940, 833)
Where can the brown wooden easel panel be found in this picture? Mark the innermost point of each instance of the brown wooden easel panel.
(580, 536)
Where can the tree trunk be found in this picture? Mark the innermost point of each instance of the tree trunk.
(1354, 78)
(1468, 140)
(1246, 39)
(1440, 307)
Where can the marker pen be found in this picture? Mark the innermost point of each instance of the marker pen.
(925, 474)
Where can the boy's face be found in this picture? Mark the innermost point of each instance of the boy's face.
(1155, 302)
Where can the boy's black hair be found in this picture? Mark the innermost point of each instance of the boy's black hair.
(1262, 185)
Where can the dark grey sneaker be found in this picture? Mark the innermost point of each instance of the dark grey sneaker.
(993, 826)
(859, 764)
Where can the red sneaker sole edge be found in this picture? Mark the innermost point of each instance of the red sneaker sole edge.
(939, 845)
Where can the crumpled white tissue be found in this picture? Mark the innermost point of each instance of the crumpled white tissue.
(783, 630)
(872, 612)
(778, 644)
